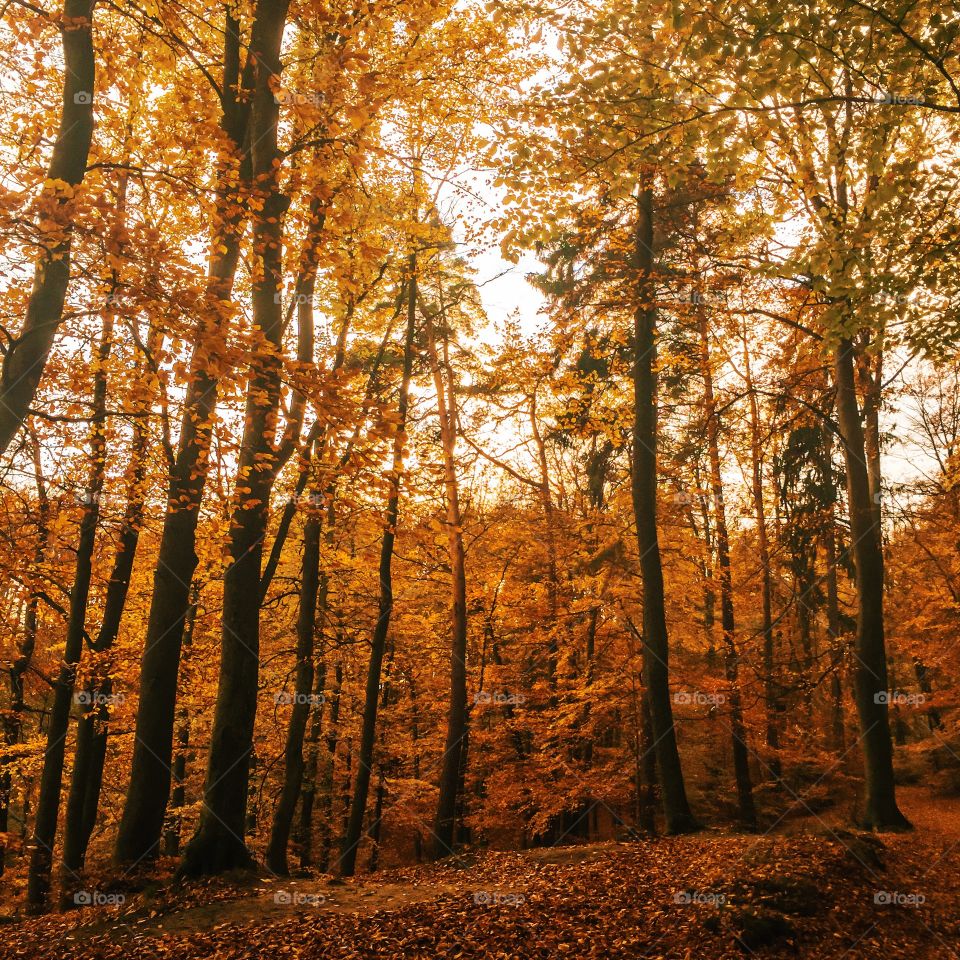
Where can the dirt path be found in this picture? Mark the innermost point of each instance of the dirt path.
(270, 900)
(276, 899)
(932, 816)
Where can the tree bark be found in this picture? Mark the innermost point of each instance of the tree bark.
(26, 356)
(644, 491)
(871, 686)
(141, 823)
(13, 722)
(731, 659)
(303, 685)
(219, 845)
(770, 680)
(92, 727)
(51, 779)
(453, 755)
(178, 796)
(358, 804)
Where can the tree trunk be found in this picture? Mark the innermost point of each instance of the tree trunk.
(141, 823)
(731, 660)
(26, 355)
(837, 734)
(178, 796)
(219, 845)
(881, 811)
(648, 769)
(92, 728)
(361, 787)
(13, 722)
(451, 769)
(550, 536)
(644, 490)
(328, 783)
(51, 779)
(300, 713)
(770, 680)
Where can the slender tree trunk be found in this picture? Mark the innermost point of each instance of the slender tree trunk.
(141, 823)
(770, 679)
(92, 727)
(358, 805)
(218, 845)
(644, 489)
(805, 575)
(310, 582)
(51, 779)
(415, 747)
(300, 713)
(926, 688)
(550, 536)
(26, 355)
(881, 811)
(178, 797)
(731, 659)
(837, 731)
(328, 782)
(648, 769)
(451, 768)
(13, 723)
(376, 824)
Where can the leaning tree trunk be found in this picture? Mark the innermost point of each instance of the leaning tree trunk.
(218, 844)
(358, 805)
(644, 490)
(141, 824)
(26, 355)
(454, 748)
(731, 659)
(881, 811)
(51, 779)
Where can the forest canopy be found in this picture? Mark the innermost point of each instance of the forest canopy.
(435, 426)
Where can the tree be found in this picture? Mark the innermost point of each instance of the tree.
(25, 357)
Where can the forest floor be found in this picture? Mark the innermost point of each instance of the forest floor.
(818, 890)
